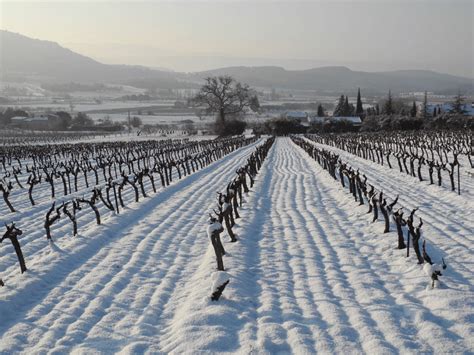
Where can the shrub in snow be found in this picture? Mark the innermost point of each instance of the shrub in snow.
(219, 280)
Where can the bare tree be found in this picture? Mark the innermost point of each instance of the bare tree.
(225, 96)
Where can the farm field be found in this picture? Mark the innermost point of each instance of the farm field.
(310, 271)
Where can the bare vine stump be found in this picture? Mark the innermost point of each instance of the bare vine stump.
(12, 233)
(219, 282)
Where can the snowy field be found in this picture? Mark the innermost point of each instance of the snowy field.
(153, 119)
(87, 106)
(309, 273)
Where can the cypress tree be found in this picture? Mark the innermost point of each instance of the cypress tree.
(458, 104)
(388, 106)
(359, 109)
(424, 107)
(347, 108)
(413, 110)
(377, 109)
(338, 111)
(320, 111)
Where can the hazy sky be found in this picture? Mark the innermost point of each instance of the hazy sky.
(195, 35)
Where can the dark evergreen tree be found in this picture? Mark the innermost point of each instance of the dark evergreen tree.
(82, 120)
(458, 104)
(388, 105)
(377, 109)
(320, 111)
(359, 108)
(424, 107)
(346, 107)
(413, 110)
(351, 110)
(65, 119)
(339, 110)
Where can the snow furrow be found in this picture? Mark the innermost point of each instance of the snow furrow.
(152, 252)
(414, 194)
(310, 274)
(355, 321)
(364, 257)
(449, 217)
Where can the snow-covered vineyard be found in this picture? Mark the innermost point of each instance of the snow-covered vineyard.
(311, 270)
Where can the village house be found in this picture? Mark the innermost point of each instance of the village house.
(44, 122)
(448, 107)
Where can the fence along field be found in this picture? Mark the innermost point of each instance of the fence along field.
(52, 185)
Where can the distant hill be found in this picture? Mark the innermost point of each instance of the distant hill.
(44, 61)
(26, 59)
(342, 79)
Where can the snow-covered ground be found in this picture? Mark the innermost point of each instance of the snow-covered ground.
(153, 119)
(309, 273)
(126, 137)
(83, 107)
